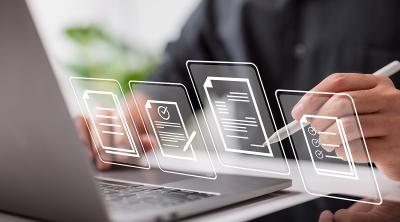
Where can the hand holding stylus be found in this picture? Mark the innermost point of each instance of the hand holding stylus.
(295, 126)
(378, 107)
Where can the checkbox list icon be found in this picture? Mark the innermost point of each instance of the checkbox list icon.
(319, 157)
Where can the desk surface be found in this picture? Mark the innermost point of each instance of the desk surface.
(262, 206)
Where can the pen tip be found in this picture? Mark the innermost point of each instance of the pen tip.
(273, 138)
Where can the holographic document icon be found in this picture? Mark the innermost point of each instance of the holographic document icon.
(320, 158)
(109, 122)
(170, 130)
(242, 132)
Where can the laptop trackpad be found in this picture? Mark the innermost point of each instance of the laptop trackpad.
(227, 184)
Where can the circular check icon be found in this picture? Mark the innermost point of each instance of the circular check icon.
(319, 154)
(315, 142)
(163, 112)
(312, 131)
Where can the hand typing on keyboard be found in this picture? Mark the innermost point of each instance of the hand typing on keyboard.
(84, 134)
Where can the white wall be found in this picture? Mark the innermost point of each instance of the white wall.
(148, 23)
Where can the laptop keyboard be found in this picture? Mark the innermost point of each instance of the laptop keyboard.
(138, 196)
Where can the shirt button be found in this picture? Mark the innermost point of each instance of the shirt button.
(300, 50)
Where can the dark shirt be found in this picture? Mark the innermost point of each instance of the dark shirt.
(294, 43)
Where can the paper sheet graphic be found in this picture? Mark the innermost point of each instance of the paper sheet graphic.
(170, 130)
(241, 132)
(319, 155)
(109, 122)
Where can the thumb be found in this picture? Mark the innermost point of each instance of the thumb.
(345, 215)
(326, 216)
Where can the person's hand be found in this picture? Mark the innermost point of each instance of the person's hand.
(378, 106)
(85, 129)
(361, 212)
(84, 135)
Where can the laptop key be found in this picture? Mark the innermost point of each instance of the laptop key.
(144, 196)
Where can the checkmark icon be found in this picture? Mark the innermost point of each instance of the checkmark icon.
(315, 142)
(163, 112)
(319, 154)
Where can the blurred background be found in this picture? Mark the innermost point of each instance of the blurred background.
(107, 39)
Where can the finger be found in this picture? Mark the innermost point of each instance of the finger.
(102, 159)
(84, 134)
(326, 216)
(390, 168)
(134, 122)
(133, 114)
(82, 129)
(365, 101)
(358, 150)
(352, 104)
(336, 107)
(147, 142)
(368, 101)
(340, 82)
(345, 215)
(121, 139)
(104, 130)
(120, 158)
(146, 138)
(388, 211)
(361, 207)
(371, 126)
(101, 165)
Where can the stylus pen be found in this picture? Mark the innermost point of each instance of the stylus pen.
(295, 126)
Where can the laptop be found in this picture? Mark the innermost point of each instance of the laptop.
(44, 169)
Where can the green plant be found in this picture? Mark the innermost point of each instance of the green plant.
(99, 55)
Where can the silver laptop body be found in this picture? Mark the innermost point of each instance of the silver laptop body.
(45, 173)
